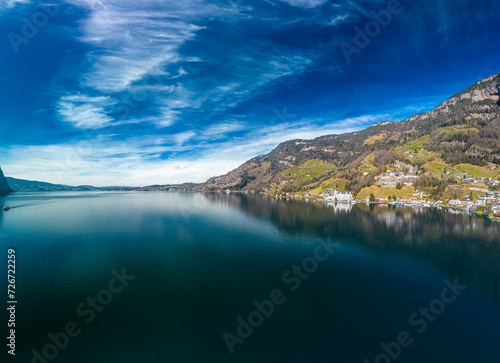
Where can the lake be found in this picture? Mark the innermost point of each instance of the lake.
(187, 277)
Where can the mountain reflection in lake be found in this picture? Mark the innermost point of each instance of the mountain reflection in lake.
(454, 242)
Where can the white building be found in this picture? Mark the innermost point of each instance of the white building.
(481, 200)
(339, 196)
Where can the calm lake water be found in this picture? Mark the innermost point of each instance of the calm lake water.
(200, 261)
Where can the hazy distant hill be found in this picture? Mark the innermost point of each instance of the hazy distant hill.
(462, 130)
(20, 185)
(4, 185)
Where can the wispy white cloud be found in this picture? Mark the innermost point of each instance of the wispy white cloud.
(9, 4)
(85, 112)
(184, 137)
(222, 129)
(342, 18)
(305, 3)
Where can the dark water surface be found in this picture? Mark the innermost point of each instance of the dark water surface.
(200, 262)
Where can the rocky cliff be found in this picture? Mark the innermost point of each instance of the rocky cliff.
(4, 185)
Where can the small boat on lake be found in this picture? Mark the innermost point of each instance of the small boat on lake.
(6, 208)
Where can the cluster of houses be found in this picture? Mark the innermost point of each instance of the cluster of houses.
(476, 180)
(391, 178)
(489, 199)
(465, 179)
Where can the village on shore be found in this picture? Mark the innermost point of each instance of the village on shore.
(480, 200)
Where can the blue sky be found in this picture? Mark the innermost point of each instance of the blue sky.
(124, 92)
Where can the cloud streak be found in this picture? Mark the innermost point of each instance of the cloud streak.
(9, 4)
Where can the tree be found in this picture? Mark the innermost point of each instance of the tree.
(372, 198)
(399, 186)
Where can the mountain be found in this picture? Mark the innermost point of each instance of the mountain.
(464, 130)
(4, 185)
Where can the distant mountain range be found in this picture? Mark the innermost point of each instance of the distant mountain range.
(20, 185)
(464, 130)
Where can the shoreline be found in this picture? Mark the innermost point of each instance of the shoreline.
(420, 204)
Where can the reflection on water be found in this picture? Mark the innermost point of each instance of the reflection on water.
(458, 244)
(340, 207)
